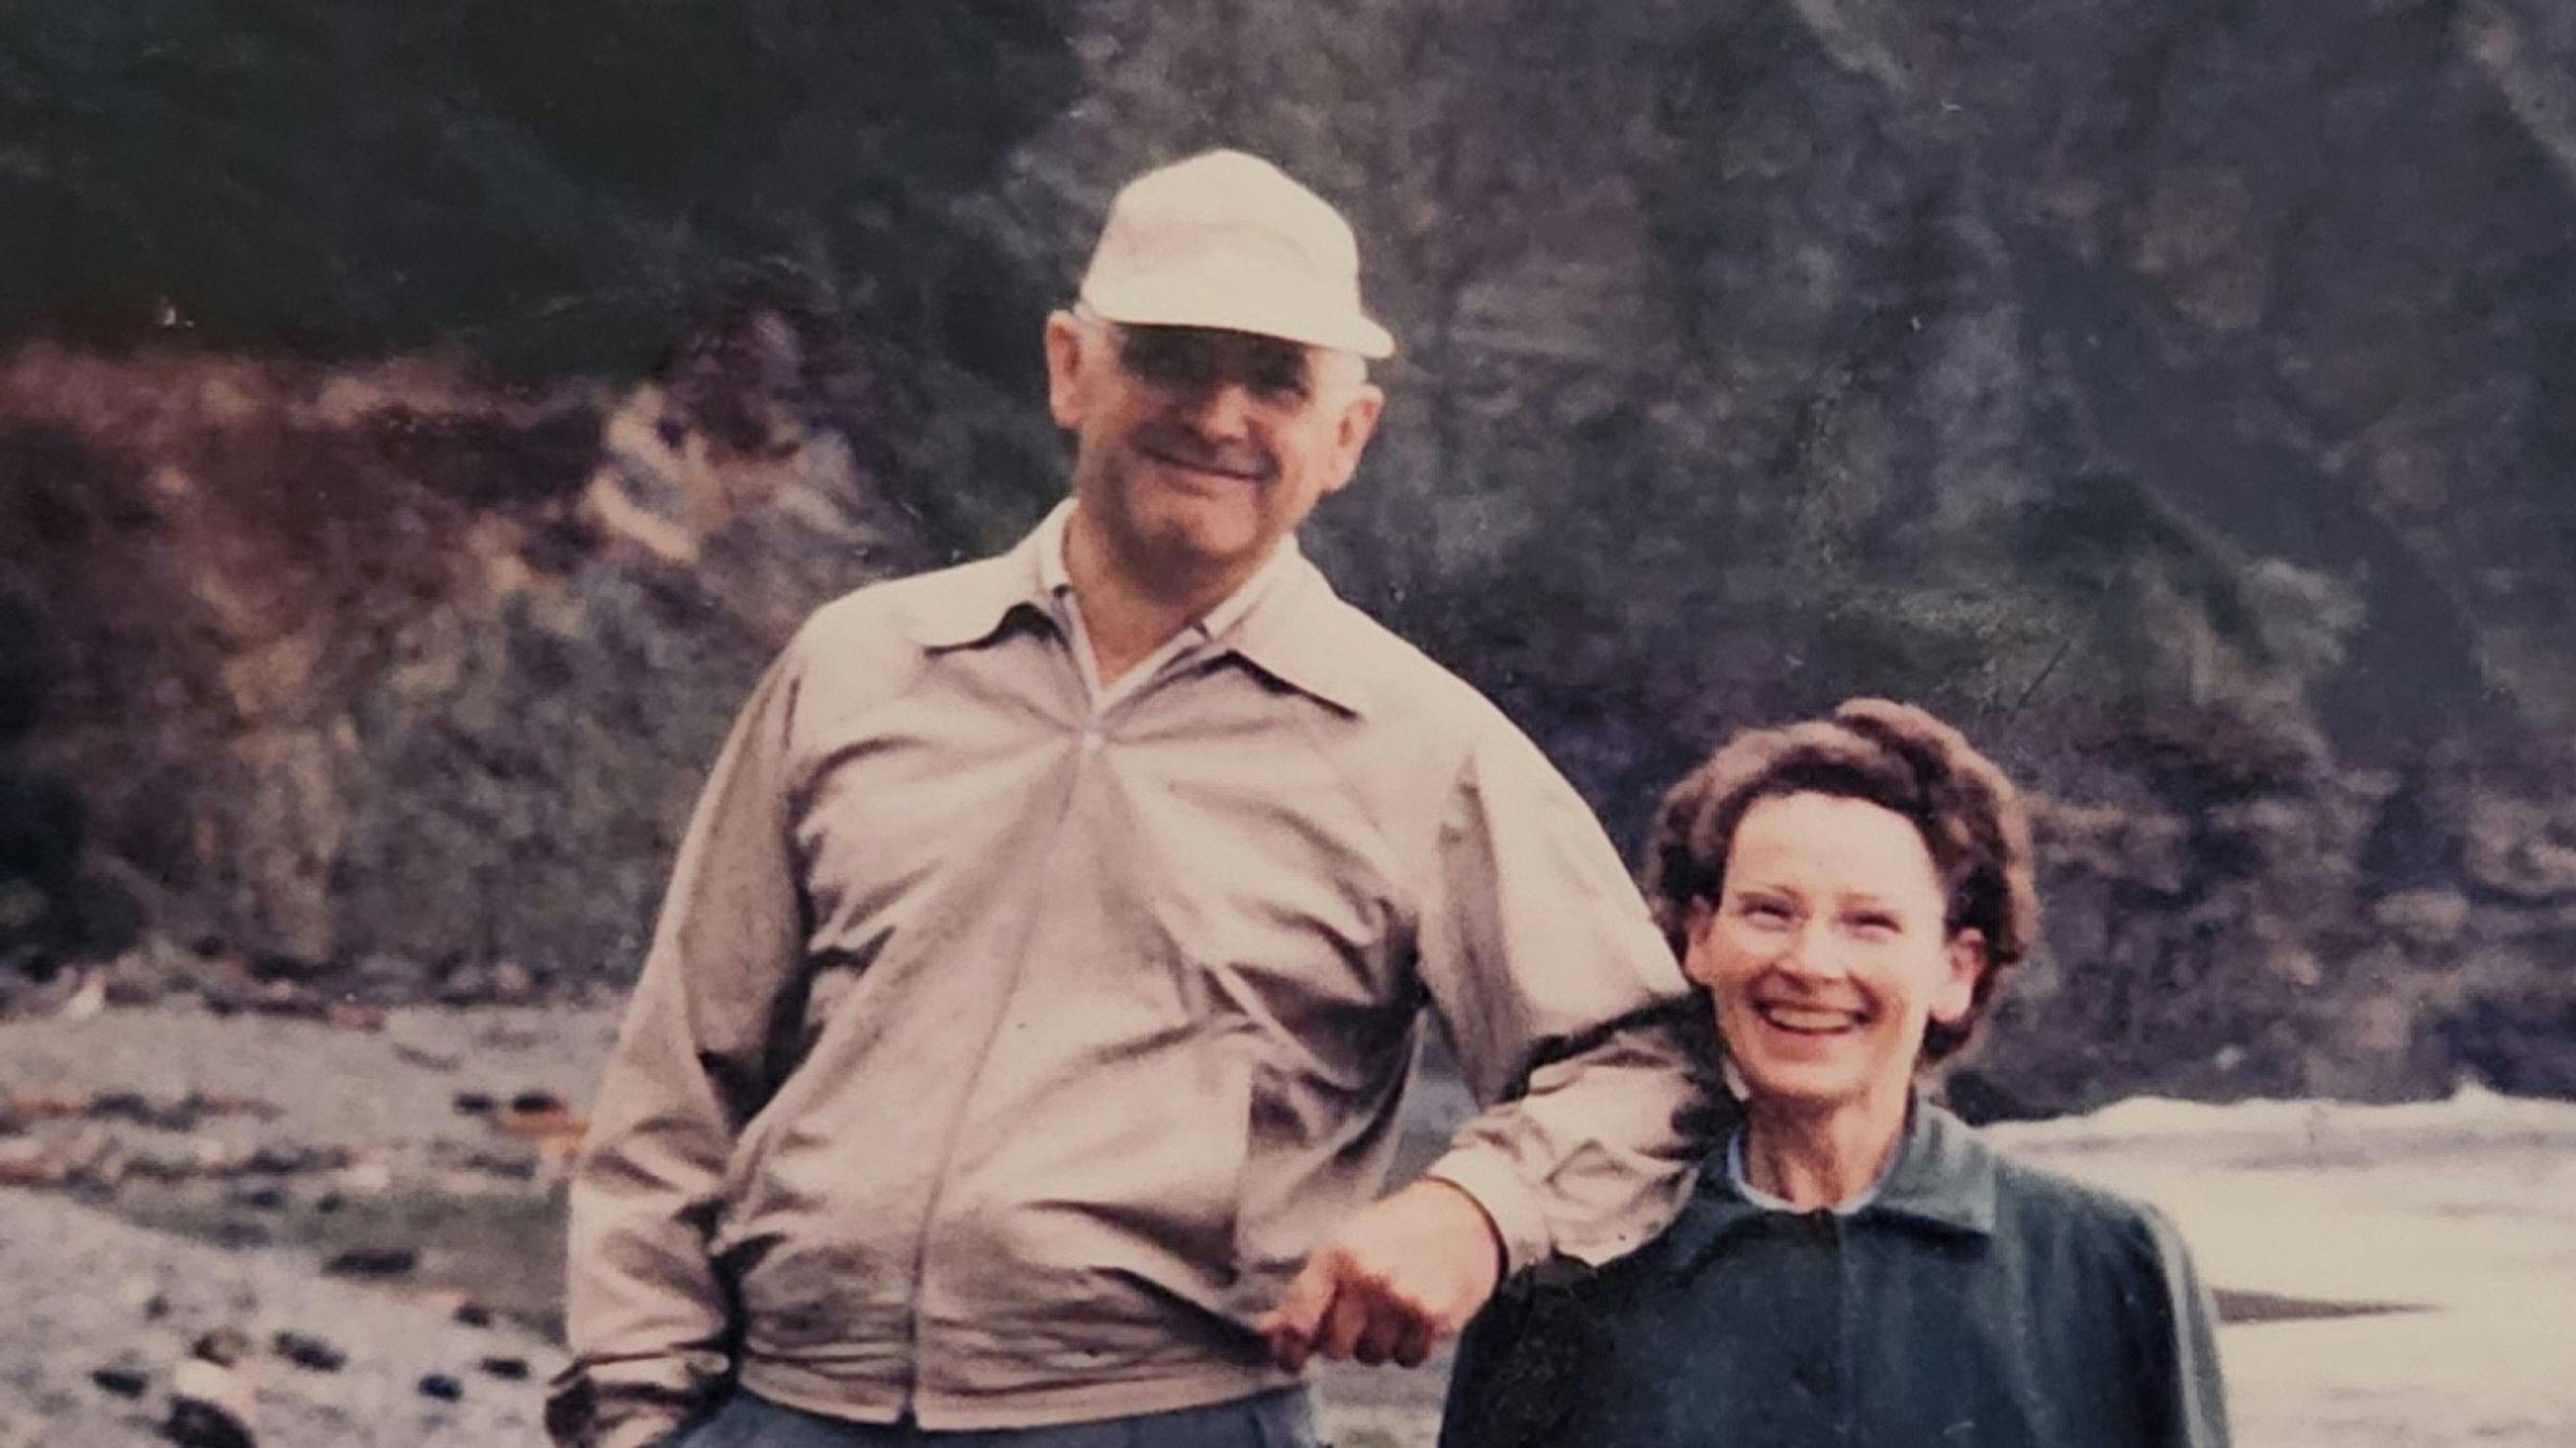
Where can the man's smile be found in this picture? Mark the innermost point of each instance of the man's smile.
(1203, 469)
(1235, 464)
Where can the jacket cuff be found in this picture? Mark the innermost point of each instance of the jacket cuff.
(1508, 1202)
(585, 1412)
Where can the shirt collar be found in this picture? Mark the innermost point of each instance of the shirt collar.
(1943, 1179)
(1284, 620)
(1055, 581)
(1744, 1187)
(1049, 546)
(968, 604)
(1292, 626)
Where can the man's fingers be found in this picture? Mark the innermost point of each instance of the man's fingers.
(1288, 1351)
(1293, 1325)
(1389, 1326)
(1397, 1279)
(1297, 1328)
(1344, 1324)
(1378, 1328)
(1420, 1335)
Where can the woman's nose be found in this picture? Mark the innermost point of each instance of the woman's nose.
(1811, 950)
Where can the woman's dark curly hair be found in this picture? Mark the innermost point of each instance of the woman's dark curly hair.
(1891, 755)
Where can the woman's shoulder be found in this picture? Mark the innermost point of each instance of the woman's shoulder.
(2084, 1243)
(2036, 1204)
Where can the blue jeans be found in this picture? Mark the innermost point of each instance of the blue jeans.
(1281, 1419)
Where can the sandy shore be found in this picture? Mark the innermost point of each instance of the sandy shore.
(175, 1174)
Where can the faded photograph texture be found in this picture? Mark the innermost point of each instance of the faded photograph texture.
(426, 433)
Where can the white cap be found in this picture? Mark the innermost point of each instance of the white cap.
(1228, 240)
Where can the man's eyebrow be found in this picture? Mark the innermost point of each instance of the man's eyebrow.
(1293, 364)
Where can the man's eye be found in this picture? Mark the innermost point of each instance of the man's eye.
(1769, 912)
(1281, 379)
(1162, 358)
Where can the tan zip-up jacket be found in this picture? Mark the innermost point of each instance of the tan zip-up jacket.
(1002, 1052)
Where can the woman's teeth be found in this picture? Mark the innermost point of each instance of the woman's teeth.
(1808, 1020)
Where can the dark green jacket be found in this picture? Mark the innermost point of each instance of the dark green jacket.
(1976, 1300)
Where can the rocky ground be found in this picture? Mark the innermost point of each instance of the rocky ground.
(358, 1220)
(324, 1230)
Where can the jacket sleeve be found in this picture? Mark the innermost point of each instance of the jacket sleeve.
(646, 1316)
(1570, 1018)
(2182, 1400)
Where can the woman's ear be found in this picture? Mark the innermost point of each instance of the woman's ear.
(1968, 960)
(1697, 918)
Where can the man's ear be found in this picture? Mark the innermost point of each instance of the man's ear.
(1067, 354)
(1352, 431)
(1968, 960)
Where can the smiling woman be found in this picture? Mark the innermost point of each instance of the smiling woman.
(1829, 953)
(1856, 1264)
(1850, 892)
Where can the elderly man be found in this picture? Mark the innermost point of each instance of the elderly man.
(1019, 1051)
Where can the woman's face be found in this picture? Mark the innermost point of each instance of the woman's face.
(1828, 952)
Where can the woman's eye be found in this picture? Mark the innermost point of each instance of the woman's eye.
(1875, 926)
(1766, 911)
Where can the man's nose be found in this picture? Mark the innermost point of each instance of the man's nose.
(1222, 409)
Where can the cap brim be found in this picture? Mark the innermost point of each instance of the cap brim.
(1263, 315)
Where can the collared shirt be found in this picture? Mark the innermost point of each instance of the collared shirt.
(1006, 1044)
(1975, 1300)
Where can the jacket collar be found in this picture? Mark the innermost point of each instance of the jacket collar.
(1943, 1180)
(1287, 621)
(967, 605)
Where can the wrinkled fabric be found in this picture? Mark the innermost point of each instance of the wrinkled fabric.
(1283, 1419)
(999, 1057)
(1976, 1300)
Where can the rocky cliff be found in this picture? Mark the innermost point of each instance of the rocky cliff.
(386, 678)
(2177, 395)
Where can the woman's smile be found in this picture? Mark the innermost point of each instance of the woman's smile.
(1800, 1019)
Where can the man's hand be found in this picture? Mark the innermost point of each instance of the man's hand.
(1400, 1275)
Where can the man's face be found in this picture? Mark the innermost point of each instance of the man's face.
(1197, 450)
